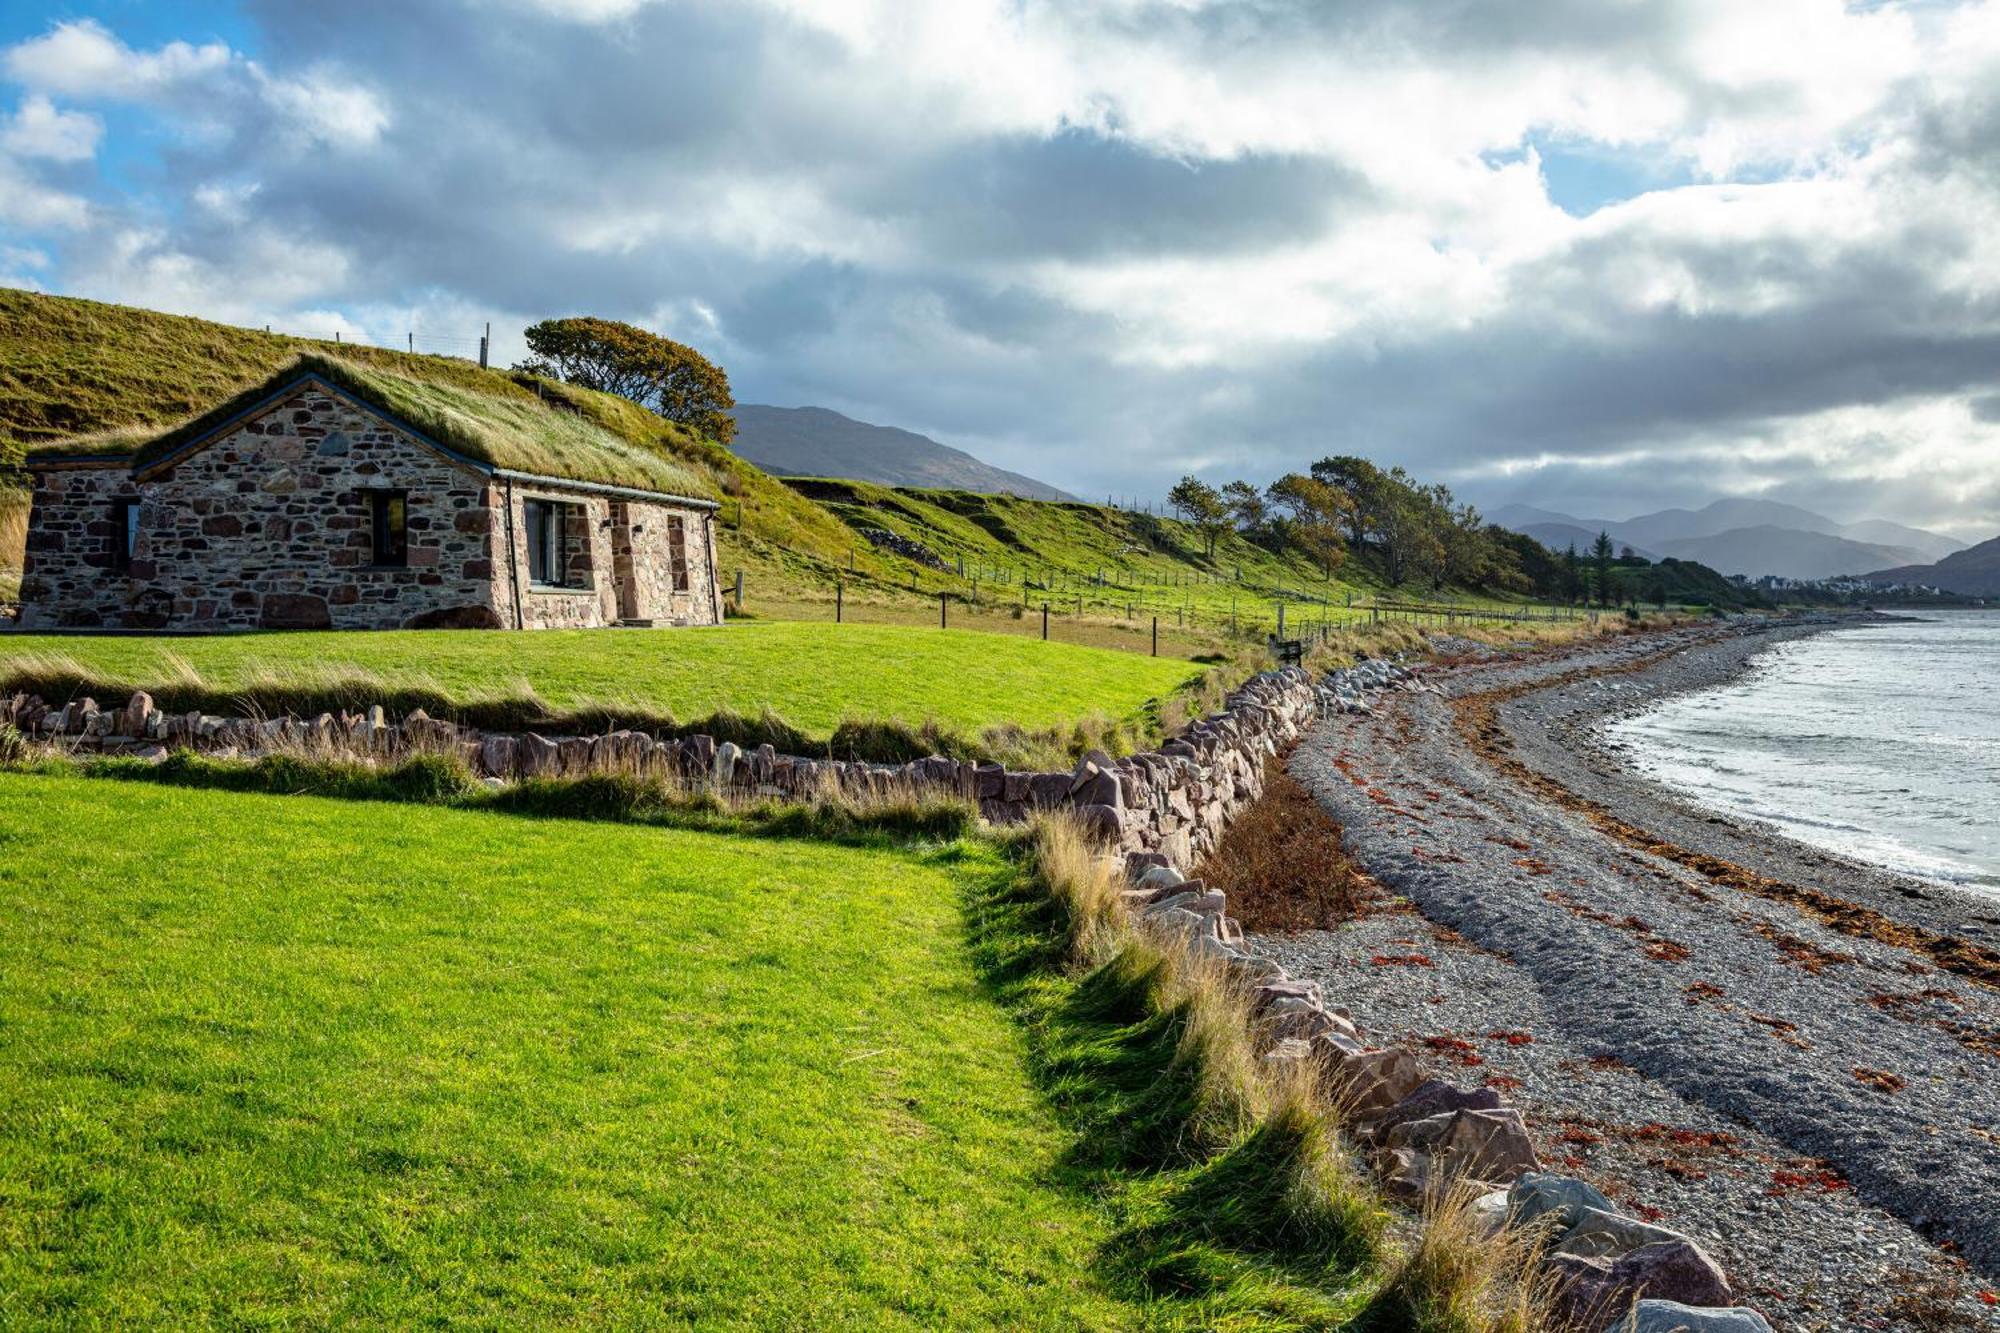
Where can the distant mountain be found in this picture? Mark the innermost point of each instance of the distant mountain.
(1881, 532)
(1786, 552)
(819, 442)
(1745, 536)
(1677, 525)
(1519, 518)
(1972, 572)
(1560, 536)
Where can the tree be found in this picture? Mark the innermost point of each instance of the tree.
(671, 378)
(1314, 512)
(1572, 575)
(1204, 507)
(1364, 486)
(1246, 506)
(1600, 560)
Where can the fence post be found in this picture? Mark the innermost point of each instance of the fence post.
(1281, 620)
(839, 598)
(941, 605)
(739, 590)
(1045, 622)
(1156, 636)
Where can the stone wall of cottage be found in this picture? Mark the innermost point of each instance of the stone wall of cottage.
(643, 534)
(70, 577)
(588, 596)
(271, 527)
(611, 540)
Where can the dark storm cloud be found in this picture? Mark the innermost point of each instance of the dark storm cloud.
(1080, 195)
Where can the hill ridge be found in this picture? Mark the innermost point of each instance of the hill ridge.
(810, 441)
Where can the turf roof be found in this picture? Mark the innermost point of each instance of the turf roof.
(511, 422)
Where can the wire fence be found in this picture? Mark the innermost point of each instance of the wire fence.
(463, 347)
(1079, 612)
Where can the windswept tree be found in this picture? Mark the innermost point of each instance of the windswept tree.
(1364, 486)
(1202, 505)
(1246, 506)
(1313, 514)
(668, 377)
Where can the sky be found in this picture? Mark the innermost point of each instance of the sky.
(1601, 256)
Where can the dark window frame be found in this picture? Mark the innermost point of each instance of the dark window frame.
(550, 527)
(388, 528)
(124, 532)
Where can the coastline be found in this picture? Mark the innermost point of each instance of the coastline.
(1809, 1095)
(1561, 733)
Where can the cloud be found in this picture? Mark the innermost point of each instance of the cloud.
(31, 206)
(1106, 242)
(83, 59)
(39, 130)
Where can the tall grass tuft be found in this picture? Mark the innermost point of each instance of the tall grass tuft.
(1456, 1276)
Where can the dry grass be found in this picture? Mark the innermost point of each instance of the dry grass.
(1277, 1172)
(13, 540)
(1282, 862)
(1457, 1277)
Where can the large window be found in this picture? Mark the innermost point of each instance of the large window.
(388, 517)
(124, 533)
(552, 546)
(677, 551)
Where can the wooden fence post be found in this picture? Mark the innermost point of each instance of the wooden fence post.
(839, 598)
(1156, 636)
(941, 605)
(739, 590)
(1045, 622)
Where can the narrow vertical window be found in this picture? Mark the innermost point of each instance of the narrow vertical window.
(125, 533)
(389, 513)
(677, 551)
(549, 543)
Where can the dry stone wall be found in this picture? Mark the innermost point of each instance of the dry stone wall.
(1168, 806)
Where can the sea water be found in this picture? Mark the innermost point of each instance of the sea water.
(1881, 742)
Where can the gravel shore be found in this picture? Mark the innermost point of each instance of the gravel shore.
(1820, 1110)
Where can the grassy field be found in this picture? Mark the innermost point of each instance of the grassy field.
(814, 675)
(290, 1061)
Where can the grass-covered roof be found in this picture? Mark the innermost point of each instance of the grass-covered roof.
(504, 419)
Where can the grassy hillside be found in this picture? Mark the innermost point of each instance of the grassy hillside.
(1107, 560)
(302, 1063)
(70, 367)
(1677, 583)
(813, 676)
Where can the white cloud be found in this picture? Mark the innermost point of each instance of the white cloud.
(32, 206)
(212, 92)
(327, 110)
(83, 59)
(39, 129)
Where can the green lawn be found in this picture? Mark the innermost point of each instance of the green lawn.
(285, 1061)
(814, 675)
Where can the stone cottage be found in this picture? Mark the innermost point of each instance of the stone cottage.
(370, 496)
